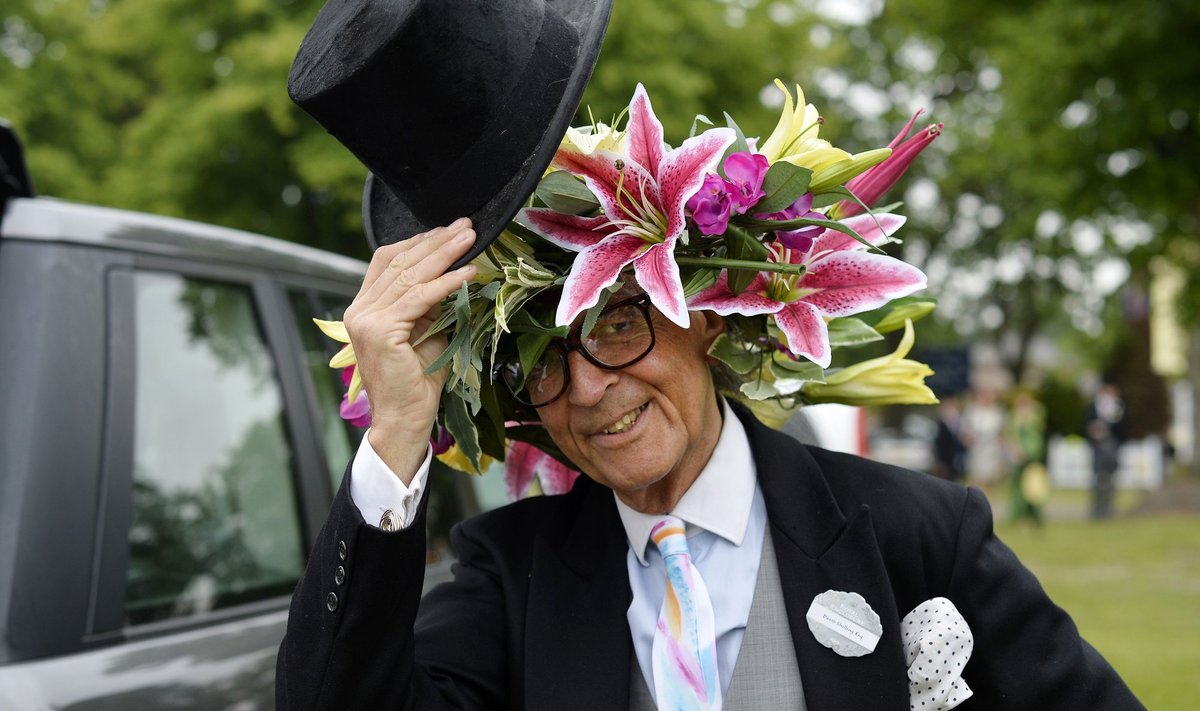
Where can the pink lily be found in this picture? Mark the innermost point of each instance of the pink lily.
(840, 280)
(642, 195)
(529, 471)
(874, 184)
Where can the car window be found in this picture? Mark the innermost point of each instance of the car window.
(339, 436)
(215, 515)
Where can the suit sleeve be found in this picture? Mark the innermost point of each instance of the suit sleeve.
(1028, 652)
(350, 636)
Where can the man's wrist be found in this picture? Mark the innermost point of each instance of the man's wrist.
(402, 452)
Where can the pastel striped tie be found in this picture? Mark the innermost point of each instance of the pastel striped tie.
(685, 647)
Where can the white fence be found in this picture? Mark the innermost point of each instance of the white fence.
(1141, 464)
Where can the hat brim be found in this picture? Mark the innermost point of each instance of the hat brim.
(387, 219)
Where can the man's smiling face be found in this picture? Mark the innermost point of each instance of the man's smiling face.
(645, 431)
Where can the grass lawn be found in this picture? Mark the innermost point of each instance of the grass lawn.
(1133, 587)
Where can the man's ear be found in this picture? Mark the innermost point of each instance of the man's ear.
(711, 325)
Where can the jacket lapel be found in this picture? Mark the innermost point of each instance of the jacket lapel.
(818, 548)
(578, 646)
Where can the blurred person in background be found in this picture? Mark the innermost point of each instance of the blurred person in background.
(1105, 430)
(982, 431)
(1025, 447)
(949, 452)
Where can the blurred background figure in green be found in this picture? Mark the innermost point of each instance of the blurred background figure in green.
(1025, 448)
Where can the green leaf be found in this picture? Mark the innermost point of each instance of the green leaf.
(783, 184)
(740, 145)
(737, 358)
(461, 426)
(530, 347)
(799, 222)
(593, 313)
(698, 281)
(524, 322)
(700, 118)
(565, 193)
(740, 244)
(489, 291)
(759, 390)
(491, 424)
(851, 332)
(784, 367)
(892, 315)
(462, 334)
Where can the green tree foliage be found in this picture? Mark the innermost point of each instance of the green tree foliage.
(1073, 126)
(177, 107)
(1070, 124)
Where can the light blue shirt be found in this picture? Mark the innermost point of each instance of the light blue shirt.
(726, 519)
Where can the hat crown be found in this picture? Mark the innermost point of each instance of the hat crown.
(455, 106)
(424, 77)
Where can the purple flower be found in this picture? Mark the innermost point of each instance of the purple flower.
(712, 205)
(442, 442)
(744, 173)
(357, 413)
(800, 239)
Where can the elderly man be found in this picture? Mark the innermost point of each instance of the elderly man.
(704, 561)
(555, 599)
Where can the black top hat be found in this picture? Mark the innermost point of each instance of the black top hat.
(455, 106)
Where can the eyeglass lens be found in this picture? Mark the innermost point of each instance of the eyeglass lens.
(621, 336)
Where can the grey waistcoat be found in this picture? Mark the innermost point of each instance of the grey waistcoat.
(767, 675)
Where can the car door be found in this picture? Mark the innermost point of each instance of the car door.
(210, 487)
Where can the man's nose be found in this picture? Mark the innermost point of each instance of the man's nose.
(588, 381)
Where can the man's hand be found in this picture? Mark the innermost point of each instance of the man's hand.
(395, 306)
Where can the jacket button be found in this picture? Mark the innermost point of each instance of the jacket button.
(339, 575)
(342, 550)
(331, 602)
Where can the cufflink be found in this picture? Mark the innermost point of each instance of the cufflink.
(388, 522)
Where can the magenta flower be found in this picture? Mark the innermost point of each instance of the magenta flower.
(643, 196)
(721, 198)
(712, 205)
(357, 413)
(874, 184)
(442, 442)
(528, 469)
(841, 280)
(745, 173)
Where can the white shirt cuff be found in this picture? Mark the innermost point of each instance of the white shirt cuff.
(375, 489)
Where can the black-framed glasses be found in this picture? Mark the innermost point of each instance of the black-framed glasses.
(623, 335)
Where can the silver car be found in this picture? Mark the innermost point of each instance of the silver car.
(169, 445)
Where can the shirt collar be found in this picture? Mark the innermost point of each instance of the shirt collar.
(718, 501)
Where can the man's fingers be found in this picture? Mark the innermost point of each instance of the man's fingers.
(385, 255)
(418, 266)
(420, 299)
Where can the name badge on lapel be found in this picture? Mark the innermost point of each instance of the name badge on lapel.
(844, 622)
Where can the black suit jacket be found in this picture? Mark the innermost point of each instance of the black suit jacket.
(535, 618)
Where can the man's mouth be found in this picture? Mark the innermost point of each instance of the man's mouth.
(625, 421)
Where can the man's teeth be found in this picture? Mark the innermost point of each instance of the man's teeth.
(624, 423)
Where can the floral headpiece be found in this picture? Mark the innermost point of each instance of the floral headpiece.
(779, 238)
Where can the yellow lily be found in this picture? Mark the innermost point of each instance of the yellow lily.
(795, 137)
(795, 140)
(455, 459)
(888, 380)
(345, 357)
(599, 137)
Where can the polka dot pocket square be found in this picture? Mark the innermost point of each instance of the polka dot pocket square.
(937, 646)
